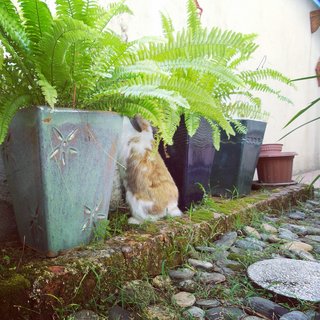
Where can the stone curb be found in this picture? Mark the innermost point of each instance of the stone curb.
(82, 273)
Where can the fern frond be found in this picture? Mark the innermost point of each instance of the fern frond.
(167, 27)
(220, 72)
(71, 8)
(12, 30)
(193, 23)
(216, 134)
(129, 106)
(11, 9)
(1, 57)
(49, 92)
(238, 126)
(262, 87)
(172, 97)
(192, 122)
(216, 45)
(37, 20)
(54, 46)
(8, 109)
(144, 67)
(168, 125)
(264, 74)
(114, 9)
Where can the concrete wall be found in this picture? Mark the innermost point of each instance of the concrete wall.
(283, 29)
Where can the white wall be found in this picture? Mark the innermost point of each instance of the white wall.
(283, 29)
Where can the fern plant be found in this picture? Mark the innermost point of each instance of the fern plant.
(74, 60)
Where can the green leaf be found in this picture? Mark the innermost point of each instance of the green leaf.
(1, 57)
(12, 30)
(49, 92)
(8, 110)
(37, 20)
(167, 27)
(194, 24)
(302, 125)
(192, 122)
(298, 114)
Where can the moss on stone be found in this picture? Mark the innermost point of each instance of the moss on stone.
(12, 286)
(201, 215)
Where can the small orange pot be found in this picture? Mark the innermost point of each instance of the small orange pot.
(275, 167)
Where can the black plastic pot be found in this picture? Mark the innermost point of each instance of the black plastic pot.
(189, 161)
(234, 164)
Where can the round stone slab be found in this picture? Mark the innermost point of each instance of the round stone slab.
(288, 277)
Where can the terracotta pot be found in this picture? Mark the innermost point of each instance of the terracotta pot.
(275, 167)
(270, 147)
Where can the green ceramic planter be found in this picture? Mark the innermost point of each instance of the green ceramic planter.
(60, 165)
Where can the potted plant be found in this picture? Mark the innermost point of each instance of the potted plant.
(274, 166)
(59, 162)
(72, 60)
(232, 94)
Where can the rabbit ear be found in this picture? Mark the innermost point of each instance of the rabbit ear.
(143, 124)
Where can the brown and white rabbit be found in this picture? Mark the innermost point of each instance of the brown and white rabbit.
(150, 190)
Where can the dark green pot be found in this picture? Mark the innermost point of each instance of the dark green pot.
(234, 164)
(60, 165)
(189, 161)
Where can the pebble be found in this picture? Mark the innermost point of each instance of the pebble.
(304, 255)
(230, 264)
(272, 238)
(210, 277)
(229, 313)
(138, 290)
(206, 249)
(294, 315)
(188, 285)
(297, 246)
(199, 264)
(207, 303)
(181, 274)
(316, 248)
(227, 240)
(118, 313)
(158, 312)
(266, 307)
(210, 265)
(219, 255)
(161, 282)
(271, 219)
(224, 270)
(195, 313)
(312, 315)
(266, 227)
(85, 315)
(248, 244)
(313, 202)
(300, 230)
(184, 299)
(312, 231)
(297, 215)
(287, 234)
(251, 232)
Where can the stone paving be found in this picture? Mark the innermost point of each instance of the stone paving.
(213, 282)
